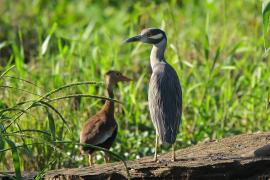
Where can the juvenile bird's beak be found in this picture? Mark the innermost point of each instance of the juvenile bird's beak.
(133, 39)
(124, 78)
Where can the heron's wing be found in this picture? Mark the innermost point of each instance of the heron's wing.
(165, 102)
(96, 130)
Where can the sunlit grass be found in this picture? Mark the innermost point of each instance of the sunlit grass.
(218, 48)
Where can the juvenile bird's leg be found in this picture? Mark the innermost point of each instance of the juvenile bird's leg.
(173, 153)
(90, 160)
(156, 148)
(106, 158)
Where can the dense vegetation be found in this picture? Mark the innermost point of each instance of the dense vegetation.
(217, 48)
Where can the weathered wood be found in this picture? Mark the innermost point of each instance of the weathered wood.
(240, 157)
(11, 175)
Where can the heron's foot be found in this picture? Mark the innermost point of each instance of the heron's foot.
(155, 159)
(173, 153)
(162, 161)
(158, 160)
(173, 159)
(106, 158)
(90, 160)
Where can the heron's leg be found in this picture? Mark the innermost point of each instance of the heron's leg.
(173, 153)
(156, 148)
(106, 158)
(90, 160)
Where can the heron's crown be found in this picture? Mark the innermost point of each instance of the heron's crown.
(153, 35)
(149, 35)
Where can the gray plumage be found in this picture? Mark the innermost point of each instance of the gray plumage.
(165, 102)
(165, 94)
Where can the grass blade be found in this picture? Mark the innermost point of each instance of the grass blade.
(32, 131)
(6, 71)
(69, 85)
(45, 44)
(51, 124)
(56, 111)
(16, 159)
(24, 80)
(42, 173)
(83, 95)
(101, 149)
(23, 90)
(215, 59)
(265, 14)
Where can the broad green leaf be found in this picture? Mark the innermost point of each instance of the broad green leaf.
(3, 44)
(206, 43)
(45, 44)
(265, 6)
(51, 123)
(16, 158)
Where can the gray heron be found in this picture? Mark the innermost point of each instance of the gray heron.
(165, 93)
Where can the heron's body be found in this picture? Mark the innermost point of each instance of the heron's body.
(165, 94)
(164, 99)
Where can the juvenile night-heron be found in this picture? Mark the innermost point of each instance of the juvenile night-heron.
(165, 94)
(101, 129)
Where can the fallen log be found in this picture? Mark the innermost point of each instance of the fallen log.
(244, 156)
(239, 157)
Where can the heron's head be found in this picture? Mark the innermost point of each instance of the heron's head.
(113, 77)
(150, 36)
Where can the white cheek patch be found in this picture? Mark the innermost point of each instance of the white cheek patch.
(157, 36)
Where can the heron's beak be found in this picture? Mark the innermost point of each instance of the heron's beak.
(124, 78)
(134, 39)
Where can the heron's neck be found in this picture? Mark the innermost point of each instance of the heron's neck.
(157, 53)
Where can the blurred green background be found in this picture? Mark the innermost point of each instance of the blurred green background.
(216, 47)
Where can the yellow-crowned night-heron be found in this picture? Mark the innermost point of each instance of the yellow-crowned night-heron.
(165, 94)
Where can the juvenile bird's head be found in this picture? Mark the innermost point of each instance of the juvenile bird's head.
(113, 77)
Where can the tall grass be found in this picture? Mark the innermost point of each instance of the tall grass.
(54, 140)
(218, 48)
(265, 14)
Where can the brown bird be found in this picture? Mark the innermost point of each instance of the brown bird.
(101, 129)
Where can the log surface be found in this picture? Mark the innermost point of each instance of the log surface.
(244, 156)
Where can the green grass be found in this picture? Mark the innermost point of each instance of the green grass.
(218, 48)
